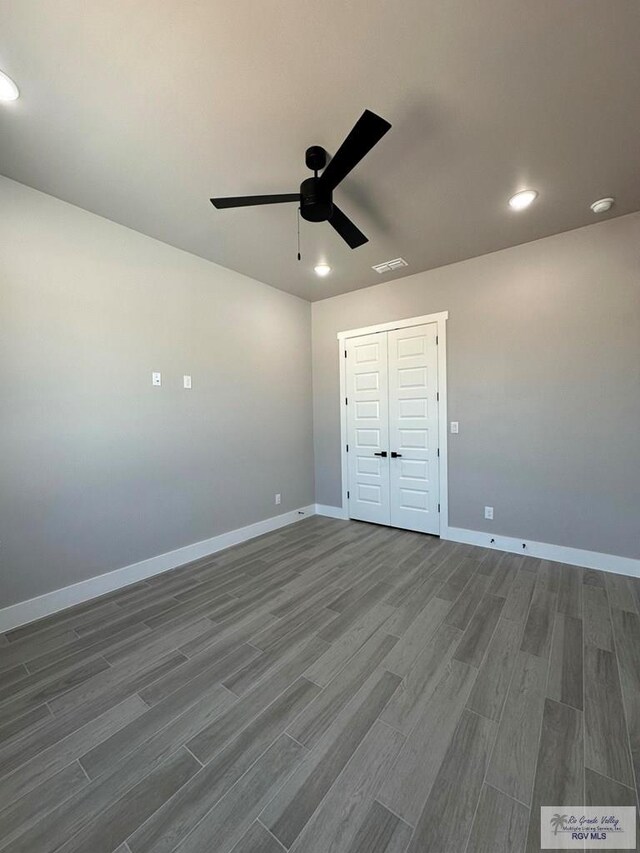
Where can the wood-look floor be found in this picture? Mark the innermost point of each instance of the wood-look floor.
(333, 686)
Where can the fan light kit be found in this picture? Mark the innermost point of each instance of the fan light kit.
(523, 199)
(8, 89)
(387, 266)
(322, 269)
(602, 205)
(316, 194)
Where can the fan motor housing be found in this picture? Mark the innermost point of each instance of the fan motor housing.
(315, 201)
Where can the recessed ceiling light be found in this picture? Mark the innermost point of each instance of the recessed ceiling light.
(8, 89)
(522, 199)
(602, 205)
(322, 269)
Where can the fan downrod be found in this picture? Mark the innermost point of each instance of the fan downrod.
(315, 198)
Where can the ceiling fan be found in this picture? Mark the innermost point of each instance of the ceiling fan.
(316, 194)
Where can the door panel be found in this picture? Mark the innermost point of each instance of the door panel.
(413, 428)
(368, 428)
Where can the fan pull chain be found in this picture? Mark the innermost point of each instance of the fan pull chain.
(299, 256)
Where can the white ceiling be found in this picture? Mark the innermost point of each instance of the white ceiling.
(140, 111)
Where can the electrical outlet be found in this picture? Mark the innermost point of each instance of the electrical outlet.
(488, 512)
(278, 499)
(186, 381)
(156, 379)
(454, 427)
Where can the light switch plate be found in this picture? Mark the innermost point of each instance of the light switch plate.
(186, 381)
(454, 427)
(156, 379)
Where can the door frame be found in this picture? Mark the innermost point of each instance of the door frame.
(441, 319)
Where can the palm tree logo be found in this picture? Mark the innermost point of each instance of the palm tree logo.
(557, 821)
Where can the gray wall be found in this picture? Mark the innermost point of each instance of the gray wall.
(98, 469)
(543, 376)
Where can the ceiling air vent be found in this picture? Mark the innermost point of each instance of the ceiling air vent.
(389, 266)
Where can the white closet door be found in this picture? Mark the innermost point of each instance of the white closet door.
(413, 428)
(368, 428)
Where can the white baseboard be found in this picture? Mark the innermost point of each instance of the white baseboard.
(59, 599)
(542, 550)
(556, 553)
(331, 511)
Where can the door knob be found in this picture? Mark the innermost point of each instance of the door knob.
(381, 453)
(395, 455)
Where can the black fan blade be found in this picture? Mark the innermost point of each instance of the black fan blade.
(367, 131)
(250, 200)
(346, 229)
